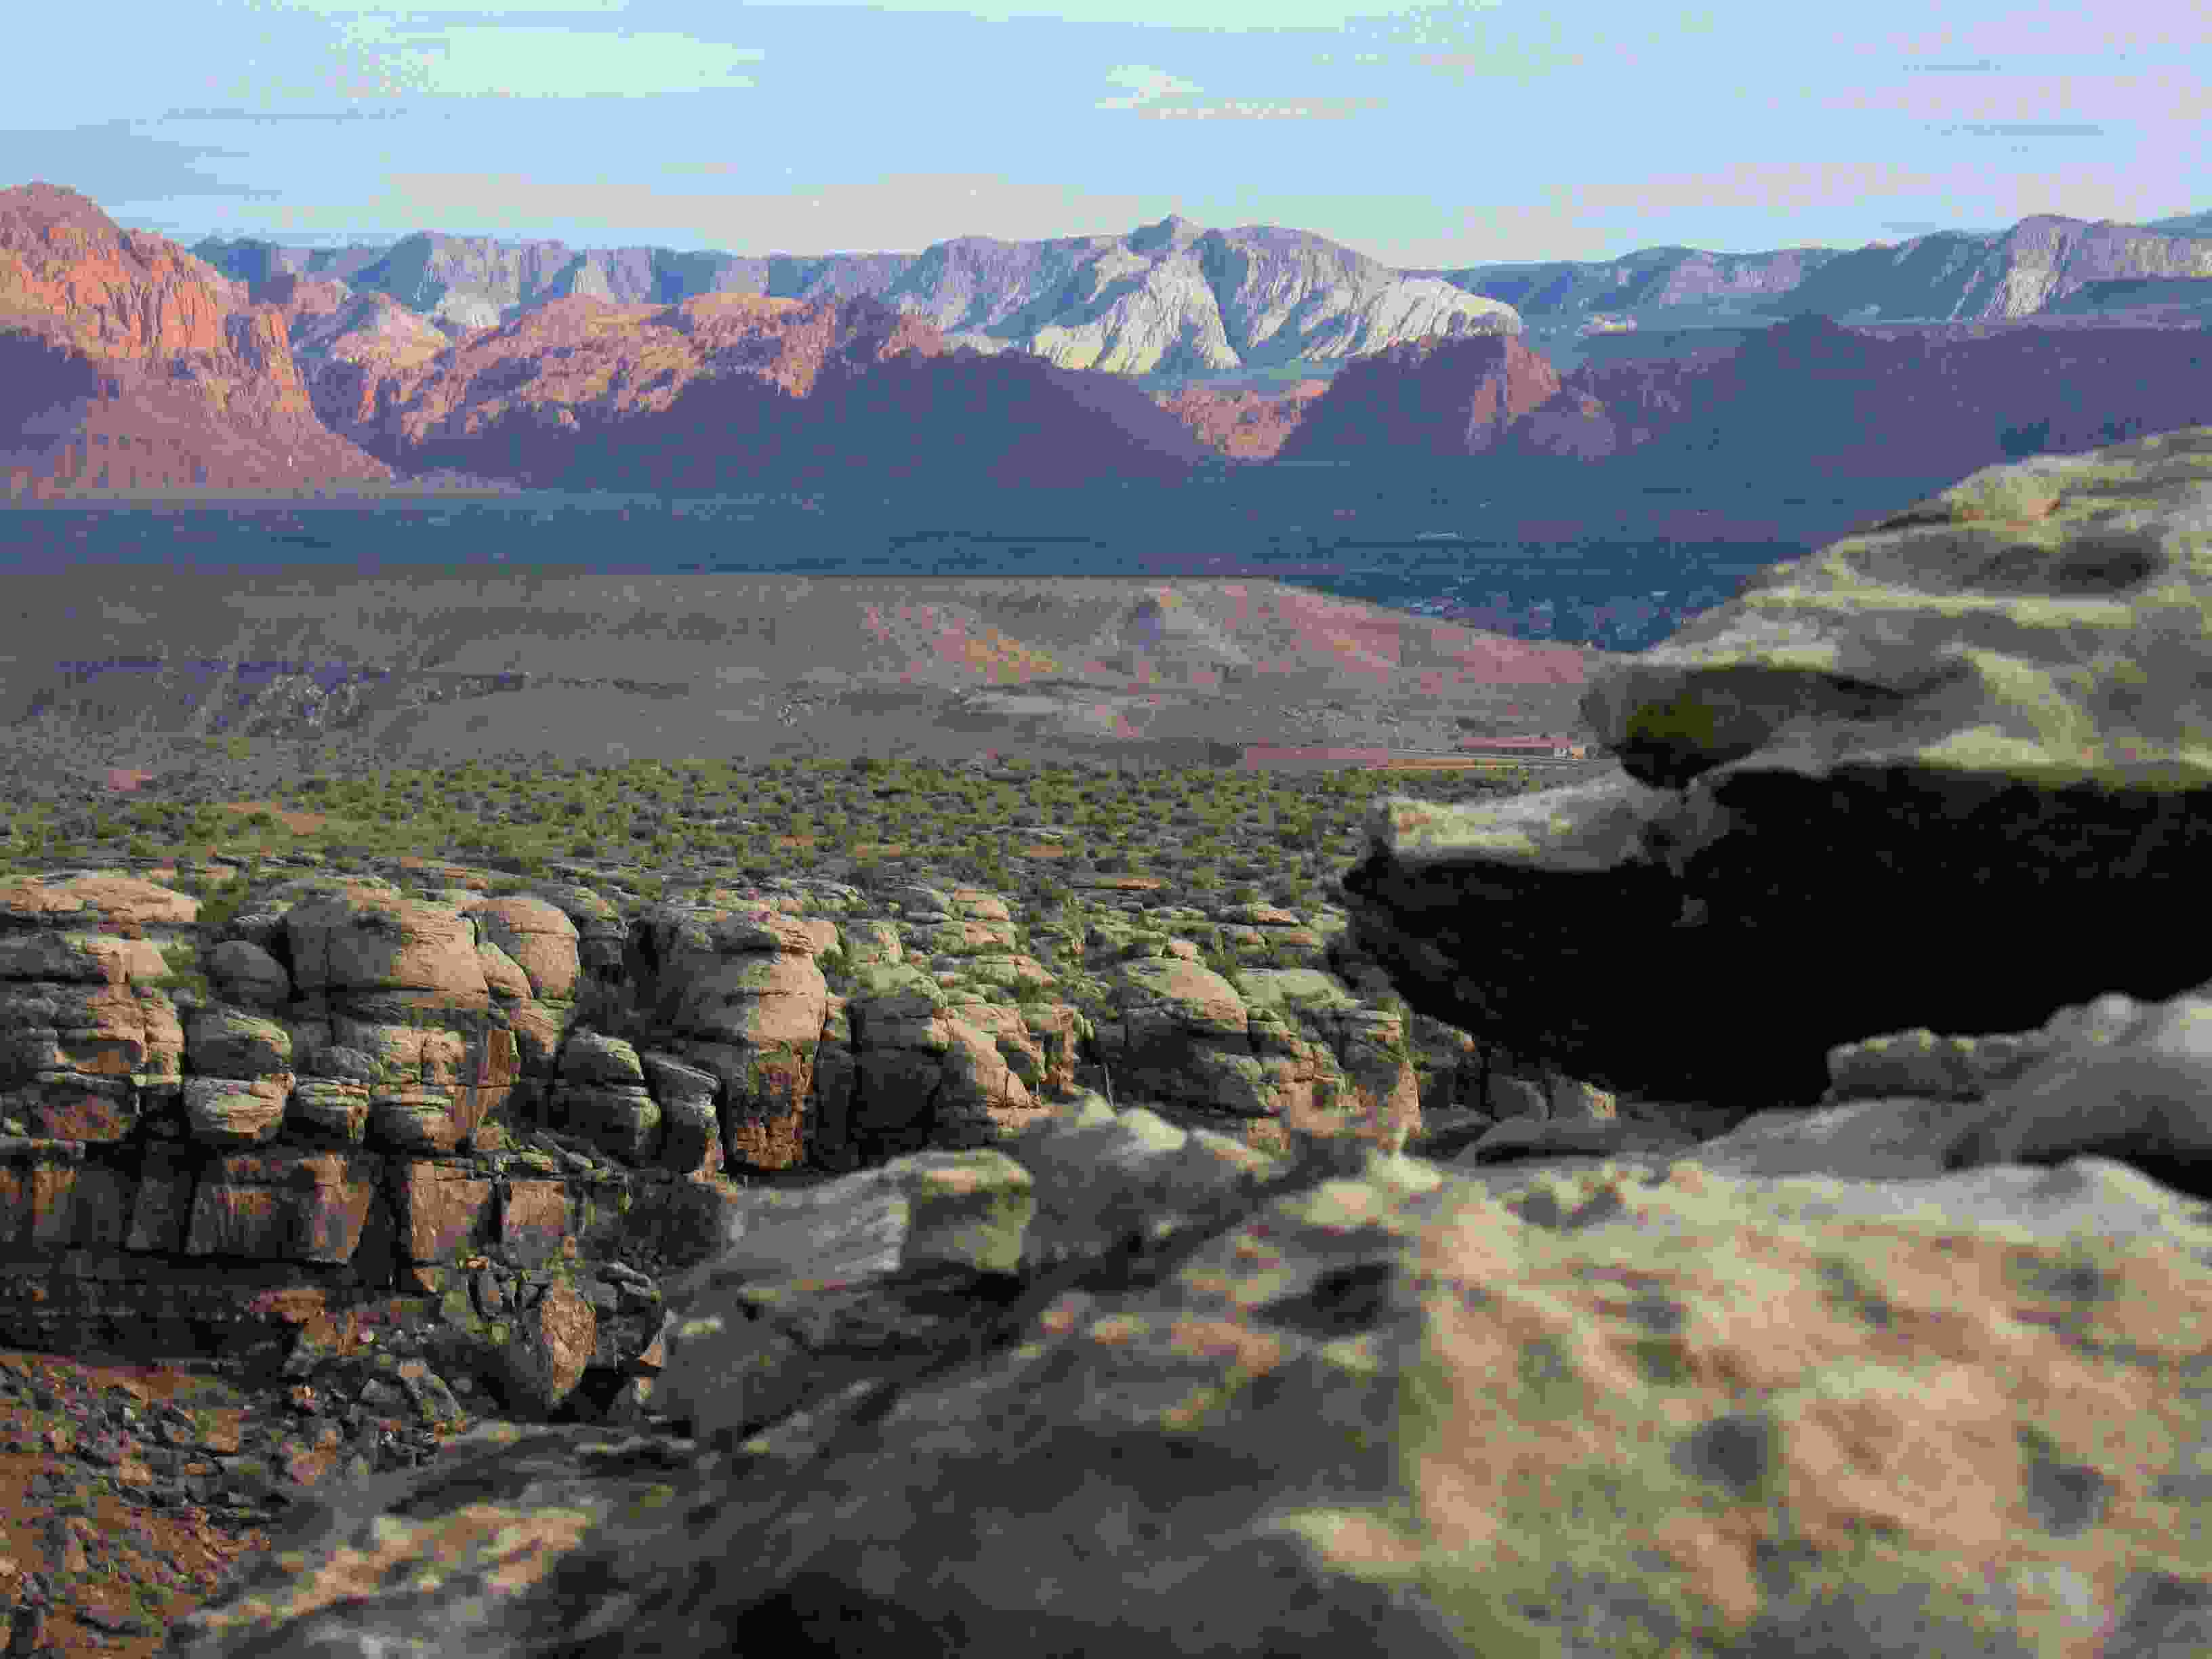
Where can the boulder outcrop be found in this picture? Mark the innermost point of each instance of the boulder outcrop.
(1975, 711)
(1793, 1389)
(360, 1095)
(1891, 1342)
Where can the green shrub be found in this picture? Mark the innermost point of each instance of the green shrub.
(184, 980)
(220, 904)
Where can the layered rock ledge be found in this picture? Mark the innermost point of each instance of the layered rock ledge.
(1892, 786)
(360, 1096)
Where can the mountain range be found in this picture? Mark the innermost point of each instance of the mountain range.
(1177, 302)
(132, 363)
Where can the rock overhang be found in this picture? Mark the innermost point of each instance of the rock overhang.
(1888, 786)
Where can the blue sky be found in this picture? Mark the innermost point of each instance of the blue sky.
(1425, 137)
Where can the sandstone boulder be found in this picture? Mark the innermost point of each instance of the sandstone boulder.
(1369, 1404)
(1964, 720)
(559, 1333)
(378, 1049)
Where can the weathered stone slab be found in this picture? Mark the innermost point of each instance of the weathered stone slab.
(1868, 795)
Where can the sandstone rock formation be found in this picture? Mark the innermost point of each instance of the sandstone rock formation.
(1575, 426)
(465, 284)
(1790, 1365)
(1174, 297)
(1649, 279)
(2034, 268)
(1114, 1380)
(1976, 710)
(2012, 273)
(1245, 424)
(601, 368)
(356, 350)
(425, 1096)
(127, 363)
(253, 260)
(1806, 395)
(719, 393)
(1171, 296)
(1431, 397)
(1605, 408)
(1813, 394)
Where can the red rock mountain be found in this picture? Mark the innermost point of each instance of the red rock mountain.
(1885, 400)
(1245, 423)
(127, 363)
(1894, 400)
(715, 394)
(1434, 397)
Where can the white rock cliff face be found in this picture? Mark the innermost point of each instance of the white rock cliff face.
(1168, 297)
(1174, 298)
(1141, 315)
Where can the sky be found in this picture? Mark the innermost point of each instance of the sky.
(1425, 137)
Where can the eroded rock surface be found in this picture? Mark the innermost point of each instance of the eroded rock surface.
(495, 1115)
(1948, 773)
(129, 364)
(1396, 1407)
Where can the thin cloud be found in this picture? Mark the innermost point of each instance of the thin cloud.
(1241, 110)
(1933, 227)
(2029, 129)
(353, 7)
(2023, 105)
(1459, 42)
(468, 61)
(1155, 93)
(259, 115)
(1147, 86)
(1979, 66)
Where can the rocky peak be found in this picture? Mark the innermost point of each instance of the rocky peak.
(67, 270)
(1997, 275)
(48, 208)
(299, 296)
(1442, 395)
(1246, 423)
(590, 394)
(181, 371)
(1169, 233)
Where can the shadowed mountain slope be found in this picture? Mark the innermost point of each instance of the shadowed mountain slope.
(126, 363)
